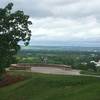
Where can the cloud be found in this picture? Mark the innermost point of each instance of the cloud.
(61, 20)
(80, 8)
(57, 8)
(60, 29)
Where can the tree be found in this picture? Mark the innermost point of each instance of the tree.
(92, 66)
(14, 27)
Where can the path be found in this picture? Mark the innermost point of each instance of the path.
(51, 70)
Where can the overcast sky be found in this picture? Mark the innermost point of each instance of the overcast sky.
(62, 22)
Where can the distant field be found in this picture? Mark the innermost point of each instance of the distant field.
(52, 87)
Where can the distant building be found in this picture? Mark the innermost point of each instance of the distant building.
(97, 63)
(84, 63)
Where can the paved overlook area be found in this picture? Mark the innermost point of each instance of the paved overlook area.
(51, 70)
(47, 68)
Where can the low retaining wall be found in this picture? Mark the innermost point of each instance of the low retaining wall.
(28, 66)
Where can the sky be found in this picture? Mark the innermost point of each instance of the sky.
(62, 22)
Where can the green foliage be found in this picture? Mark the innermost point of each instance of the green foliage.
(13, 29)
(90, 72)
(78, 60)
(52, 87)
(92, 66)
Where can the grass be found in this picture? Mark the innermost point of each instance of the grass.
(52, 87)
(89, 72)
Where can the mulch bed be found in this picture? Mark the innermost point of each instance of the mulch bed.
(10, 79)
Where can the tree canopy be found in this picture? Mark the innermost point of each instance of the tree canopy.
(14, 27)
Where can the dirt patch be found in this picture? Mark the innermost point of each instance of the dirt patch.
(8, 79)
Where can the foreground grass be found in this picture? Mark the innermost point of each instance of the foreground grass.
(52, 87)
(90, 73)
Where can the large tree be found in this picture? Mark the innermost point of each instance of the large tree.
(14, 27)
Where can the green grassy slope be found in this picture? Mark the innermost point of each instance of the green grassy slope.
(53, 87)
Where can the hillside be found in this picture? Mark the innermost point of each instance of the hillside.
(52, 87)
